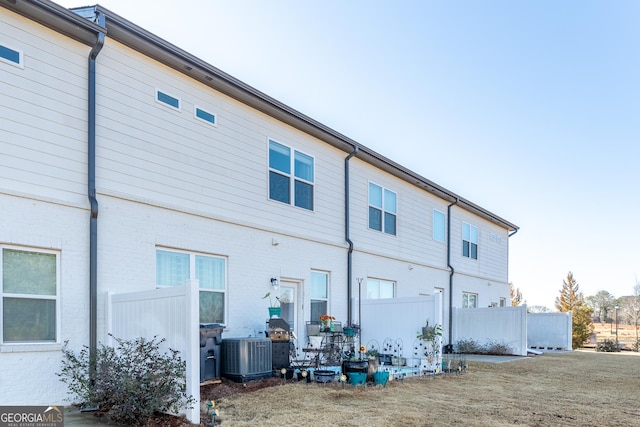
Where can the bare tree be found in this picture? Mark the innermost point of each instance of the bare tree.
(516, 295)
(602, 302)
(631, 311)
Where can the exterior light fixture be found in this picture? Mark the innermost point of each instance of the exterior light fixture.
(275, 283)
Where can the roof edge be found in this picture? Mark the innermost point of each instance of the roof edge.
(124, 31)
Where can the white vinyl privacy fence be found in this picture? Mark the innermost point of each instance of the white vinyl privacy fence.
(170, 313)
(398, 320)
(549, 331)
(503, 325)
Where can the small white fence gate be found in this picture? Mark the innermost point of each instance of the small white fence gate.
(170, 313)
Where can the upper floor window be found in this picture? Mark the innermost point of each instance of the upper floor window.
(438, 226)
(378, 289)
(169, 100)
(30, 288)
(469, 241)
(503, 302)
(174, 268)
(284, 186)
(319, 294)
(10, 56)
(205, 116)
(382, 209)
(469, 300)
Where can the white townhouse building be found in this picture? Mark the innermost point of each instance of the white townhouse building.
(128, 164)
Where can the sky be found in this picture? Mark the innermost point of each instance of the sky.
(527, 108)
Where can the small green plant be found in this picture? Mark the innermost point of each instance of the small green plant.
(133, 381)
(608, 345)
(372, 353)
(431, 334)
(271, 304)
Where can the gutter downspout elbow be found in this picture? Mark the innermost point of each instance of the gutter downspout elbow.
(347, 232)
(451, 273)
(91, 178)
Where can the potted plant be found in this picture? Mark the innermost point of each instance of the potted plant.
(372, 356)
(326, 321)
(431, 335)
(274, 309)
(351, 330)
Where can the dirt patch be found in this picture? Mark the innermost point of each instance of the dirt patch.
(227, 388)
(554, 389)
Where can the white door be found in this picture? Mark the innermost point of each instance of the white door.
(291, 303)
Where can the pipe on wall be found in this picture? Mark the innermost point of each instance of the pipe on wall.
(93, 221)
(451, 273)
(347, 232)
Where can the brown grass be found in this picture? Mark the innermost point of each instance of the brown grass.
(555, 389)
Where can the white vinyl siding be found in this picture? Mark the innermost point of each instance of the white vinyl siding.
(44, 111)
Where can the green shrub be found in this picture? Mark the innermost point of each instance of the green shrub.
(608, 345)
(133, 381)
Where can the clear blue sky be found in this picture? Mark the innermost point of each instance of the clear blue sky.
(528, 108)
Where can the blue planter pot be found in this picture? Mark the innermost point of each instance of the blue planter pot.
(323, 376)
(381, 378)
(357, 378)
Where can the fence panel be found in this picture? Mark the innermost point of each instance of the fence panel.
(506, 325)
(170, 313)
(549, 331)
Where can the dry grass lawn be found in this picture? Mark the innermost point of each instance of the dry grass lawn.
(555, 389)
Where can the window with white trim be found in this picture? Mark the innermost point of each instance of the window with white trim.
(284, 186)
(168, 100)
(379, 289)
(439, 223)
(205, 116)
(503, 302)
(469, 300)
(319, 294)
(30, 303)
(11, 56)
(382, 209)
(469, 241)
(174, 268)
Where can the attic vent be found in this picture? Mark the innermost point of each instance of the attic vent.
(188, 68)
(208, 78)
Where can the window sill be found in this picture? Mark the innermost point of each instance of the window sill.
(23, 347)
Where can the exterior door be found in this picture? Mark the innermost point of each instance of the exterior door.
(291, 303)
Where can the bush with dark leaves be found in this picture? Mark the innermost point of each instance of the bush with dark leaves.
(132, 382)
